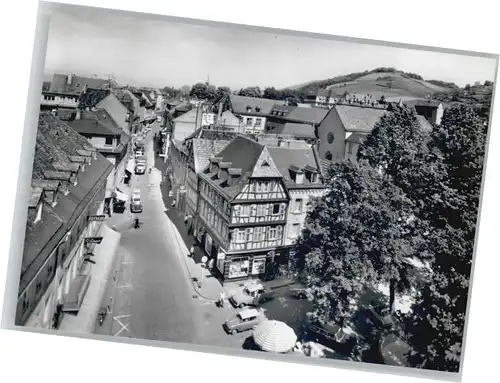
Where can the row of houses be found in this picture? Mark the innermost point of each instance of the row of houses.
(245, 169)
(66, 203)
(84, 135)
(336, 132)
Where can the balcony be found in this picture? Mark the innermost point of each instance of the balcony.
(74, 299)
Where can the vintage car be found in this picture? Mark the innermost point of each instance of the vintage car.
(136, 202)
(300, 293)
(252, 295)
(381, 316)
(244, 320)
(140, 167)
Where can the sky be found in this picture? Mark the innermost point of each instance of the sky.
(158, 53)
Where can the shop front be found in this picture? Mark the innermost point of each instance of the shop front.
(243, 266)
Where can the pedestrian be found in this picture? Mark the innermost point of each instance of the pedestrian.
(191, 251)
(211, 264)
(173, 202)
(221, 299)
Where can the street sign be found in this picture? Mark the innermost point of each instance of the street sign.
(204, 259)
(97, 217)
(93, 240)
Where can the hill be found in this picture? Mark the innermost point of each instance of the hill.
(390, 82)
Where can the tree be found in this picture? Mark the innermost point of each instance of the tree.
(272, 94)
(171, 92)
(381, 100)
(222, 91)
(253, 91)
(400, 148)
(437, 321)
(185, 90)
(488, 83)
(351, 236)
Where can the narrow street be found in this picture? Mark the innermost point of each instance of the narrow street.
(150, 293)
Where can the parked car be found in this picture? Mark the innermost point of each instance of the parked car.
(140, 167)
(331, 335)
(300, 293)
(381, 316)
(244, 320)
(136, 202)
(252, 295)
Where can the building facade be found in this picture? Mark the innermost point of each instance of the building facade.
(242, 207)
(68, 189)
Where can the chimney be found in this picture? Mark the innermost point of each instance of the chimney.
(70, 79)
(223, 170)
(233, 175)
(214, 161)
(219, 115)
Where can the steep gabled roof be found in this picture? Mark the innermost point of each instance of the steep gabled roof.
(204, 149)
(243, 153)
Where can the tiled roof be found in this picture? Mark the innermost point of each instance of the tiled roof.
(241, 103)
(204, 149)
(243, 153)
(298, 130)
(59, 84)
(92, 97)
(285, 158)
(90, 123)
(288, 143)
(357, 118)
(309, 115)
(56, 142)
(45, 184)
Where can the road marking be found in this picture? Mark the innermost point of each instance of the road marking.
(124, 327)
(126, 263)
(122, 316)
(124, 286)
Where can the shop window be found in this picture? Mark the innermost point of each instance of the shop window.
(38, 287)
(26, 304)
(239, 268)
(328, 156)
(258, 266)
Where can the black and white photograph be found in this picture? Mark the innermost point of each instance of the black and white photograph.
(254, 190)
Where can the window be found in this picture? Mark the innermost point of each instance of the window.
(258, 121)
(253, 210)
(279, 232)
(38, 287)
(265, 187)
(276, 208)
(295, 230)
(237, 211)
(261, 210)
(239, 236)
(349, 148)
(259, 187)
(249, 121)
(245, 211)
(108, 141)
(258, 234)
(248, 234)
(330, 137)
(298, 205)
(282, 208)
(328, 156)
(272, 233)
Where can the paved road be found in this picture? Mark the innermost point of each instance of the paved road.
(150, 292)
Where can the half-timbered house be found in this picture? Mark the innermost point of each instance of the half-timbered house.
(242, 206)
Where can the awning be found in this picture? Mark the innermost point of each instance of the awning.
(121, 196)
